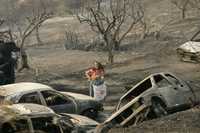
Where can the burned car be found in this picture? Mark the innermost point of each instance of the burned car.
(34, 118)
(164, 91)
(189, 51)
(28, 118)
(60, 102)
(155, 96)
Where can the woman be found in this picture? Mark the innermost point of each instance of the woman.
(96, 77)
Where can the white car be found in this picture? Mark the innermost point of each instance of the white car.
(60, 102)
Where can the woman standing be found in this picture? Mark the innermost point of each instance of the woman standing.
(97, 87)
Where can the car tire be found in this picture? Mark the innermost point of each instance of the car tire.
(158, 107)
(91, 113)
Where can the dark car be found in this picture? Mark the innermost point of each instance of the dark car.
(60, 102)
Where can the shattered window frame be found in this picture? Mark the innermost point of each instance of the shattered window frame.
(167, 82)
(51, 123)
(174, 80)
(31, 93)
(139, 85)
(68, 100)
(14, 124)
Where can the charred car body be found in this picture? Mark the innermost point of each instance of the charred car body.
(155, 96)
(28, 118)
(33, 118)
(60, 102)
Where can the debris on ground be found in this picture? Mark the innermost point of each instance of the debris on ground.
(182, 122)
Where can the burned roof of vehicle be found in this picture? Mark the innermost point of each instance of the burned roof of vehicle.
(135, 86)
(6, 90)
(8, 112)
(191, 47)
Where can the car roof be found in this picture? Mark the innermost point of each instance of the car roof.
(154, 74)
(6, 90)
(8, 112)
(161, 73)
(135, 86)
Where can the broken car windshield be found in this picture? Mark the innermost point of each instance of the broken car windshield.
(45, 124)
(16, 126)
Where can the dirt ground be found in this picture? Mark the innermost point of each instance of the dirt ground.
(182, 122)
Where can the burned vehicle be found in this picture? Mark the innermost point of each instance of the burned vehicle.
(189, 51)
(60, 102)
(156, 96)
(34, 118)
(28, 118)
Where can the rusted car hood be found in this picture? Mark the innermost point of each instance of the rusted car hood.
(78, 96)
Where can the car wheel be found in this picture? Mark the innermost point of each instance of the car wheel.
(158, 108)
(91, 113)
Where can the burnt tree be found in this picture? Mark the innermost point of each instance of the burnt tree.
(112, 19)
(33, 23)
(181, 5)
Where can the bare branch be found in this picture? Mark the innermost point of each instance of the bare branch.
(114, 22)
(181, 5)
(33, 24)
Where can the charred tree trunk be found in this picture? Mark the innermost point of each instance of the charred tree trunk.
(183, 13)
(37, 34)
(24, 57)
(144, 33)
(116, 46)
(24, 61)
(110, 57)
(109, 44)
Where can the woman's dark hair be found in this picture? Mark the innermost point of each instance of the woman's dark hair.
(99, 65)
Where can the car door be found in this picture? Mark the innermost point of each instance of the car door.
(58, 102)
(168, 91)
